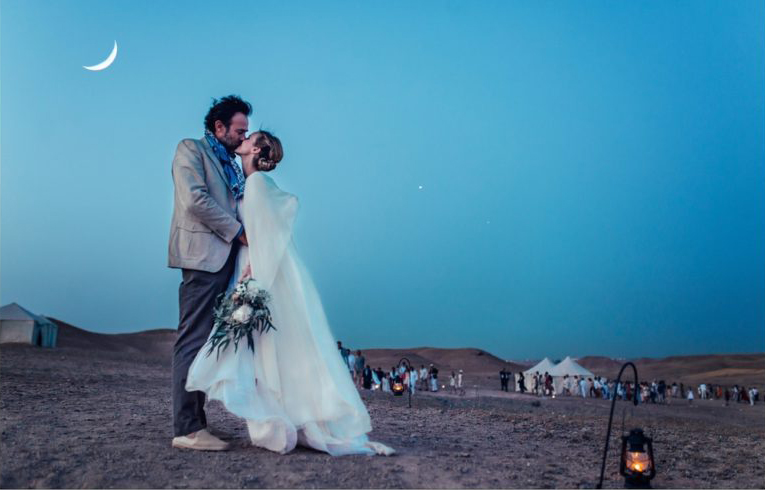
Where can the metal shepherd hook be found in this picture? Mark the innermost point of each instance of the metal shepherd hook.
(611, 416)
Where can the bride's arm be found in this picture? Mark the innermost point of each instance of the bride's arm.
(247, 274)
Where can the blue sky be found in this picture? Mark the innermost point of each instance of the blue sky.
(592, 172)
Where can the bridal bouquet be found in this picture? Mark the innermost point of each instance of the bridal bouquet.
(238, 315)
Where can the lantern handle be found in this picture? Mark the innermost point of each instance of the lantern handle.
(611, 416)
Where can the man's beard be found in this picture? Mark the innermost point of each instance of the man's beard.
(231, 144)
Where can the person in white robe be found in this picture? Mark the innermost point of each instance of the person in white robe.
(413, 377)
(423, 376)
(352, 365)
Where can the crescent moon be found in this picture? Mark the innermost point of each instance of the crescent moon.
(104, 64)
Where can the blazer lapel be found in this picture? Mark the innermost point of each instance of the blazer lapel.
(216, 162)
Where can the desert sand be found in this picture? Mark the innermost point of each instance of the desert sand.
(95, 412)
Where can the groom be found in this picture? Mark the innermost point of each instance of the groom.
(204, 240)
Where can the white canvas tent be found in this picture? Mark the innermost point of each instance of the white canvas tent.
(20, 325)
(571, 368)
(542, 367)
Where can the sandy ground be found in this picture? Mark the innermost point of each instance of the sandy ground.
(84, 419)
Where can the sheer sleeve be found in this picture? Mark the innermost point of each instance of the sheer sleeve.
(268, 216)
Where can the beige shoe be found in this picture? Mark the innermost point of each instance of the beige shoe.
(202, 441)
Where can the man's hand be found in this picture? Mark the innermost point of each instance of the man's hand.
(243, 238)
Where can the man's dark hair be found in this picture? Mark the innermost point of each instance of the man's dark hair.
(224, 109)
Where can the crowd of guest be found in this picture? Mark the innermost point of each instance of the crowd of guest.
(399, 378)
(542, 384)
(406, 377)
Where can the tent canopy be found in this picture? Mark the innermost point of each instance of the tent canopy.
(570, 367)
(545, 365)
(17, 324)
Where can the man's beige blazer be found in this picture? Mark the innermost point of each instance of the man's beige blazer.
(204, 215)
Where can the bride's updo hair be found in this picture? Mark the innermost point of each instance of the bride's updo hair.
(270, 147)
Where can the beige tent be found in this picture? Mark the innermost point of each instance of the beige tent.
(542, 367)
(22, 326)
(571, 368)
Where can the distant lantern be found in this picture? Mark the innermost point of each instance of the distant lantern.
(398, 388)
(637, 464)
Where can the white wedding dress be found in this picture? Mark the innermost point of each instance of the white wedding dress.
(295, 388)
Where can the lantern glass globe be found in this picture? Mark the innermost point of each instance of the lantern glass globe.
(638, 461)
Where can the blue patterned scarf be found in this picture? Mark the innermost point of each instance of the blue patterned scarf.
(233, 172)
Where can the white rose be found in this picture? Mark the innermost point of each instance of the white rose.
(242, 314)
(252, 288)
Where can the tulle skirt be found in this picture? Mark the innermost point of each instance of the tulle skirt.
(295, 387)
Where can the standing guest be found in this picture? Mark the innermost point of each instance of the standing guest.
(718, 392)
(605, 388)
(596, 387)
(536, 383)
(433, 378)
(393, 374)
(674, 390)
(423, 378)
(503, 380)
(412, 379)
(548, 384)
(744, 395)
(690, 396)
(459, 379)
(360, 363)
(352, 365)
(661, 391)
(366, 381)
(566, 385)
(727, 396)
(703, 389)
(583, 387)
(386, 383)
(343, 352)
(521, 383)
(453, 382)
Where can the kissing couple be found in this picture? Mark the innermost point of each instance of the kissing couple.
(229, 224)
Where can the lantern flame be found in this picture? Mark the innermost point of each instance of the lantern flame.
(638, 461)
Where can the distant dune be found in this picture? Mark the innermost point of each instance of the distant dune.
(480, 367)
(727, 369)
(475, 361)
(153, 343)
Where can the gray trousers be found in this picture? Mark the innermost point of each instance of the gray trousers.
(197, 294)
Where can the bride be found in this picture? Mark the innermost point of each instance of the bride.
(294, 389)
